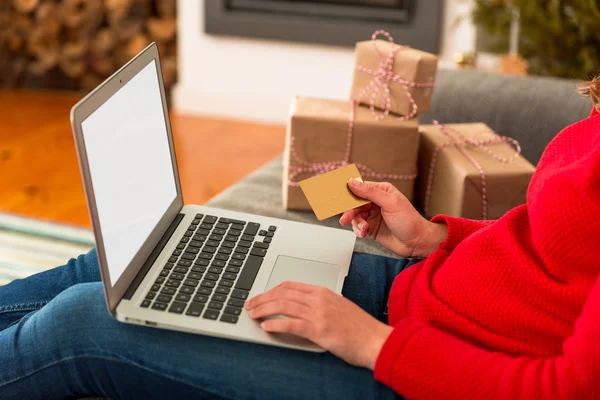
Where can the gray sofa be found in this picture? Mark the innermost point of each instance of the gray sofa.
(531, 109)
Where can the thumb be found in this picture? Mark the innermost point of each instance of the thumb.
(379, 193)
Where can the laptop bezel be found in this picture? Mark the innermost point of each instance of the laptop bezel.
(114, 291)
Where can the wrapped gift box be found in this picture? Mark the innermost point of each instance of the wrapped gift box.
(456, 187)
(319, 129)
(409, 64)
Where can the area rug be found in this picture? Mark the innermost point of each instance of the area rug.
(29, 246)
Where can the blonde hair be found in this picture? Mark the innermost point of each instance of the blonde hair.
(591, 89)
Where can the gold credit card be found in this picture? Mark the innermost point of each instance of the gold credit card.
(328, 194)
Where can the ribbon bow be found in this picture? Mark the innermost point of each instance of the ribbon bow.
(384, 77)
(461, 143)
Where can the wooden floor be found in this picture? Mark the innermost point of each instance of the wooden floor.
(39, 174)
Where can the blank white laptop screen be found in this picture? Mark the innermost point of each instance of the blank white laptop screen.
(130, 165)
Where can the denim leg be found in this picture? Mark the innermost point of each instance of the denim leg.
(72, 347)
(23, 296)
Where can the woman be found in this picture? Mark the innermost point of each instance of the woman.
(498, 309)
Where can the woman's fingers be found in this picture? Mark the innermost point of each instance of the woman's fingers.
(348, 216)
(289, 308)
(295, 326)
(360, 226)
(287, 290)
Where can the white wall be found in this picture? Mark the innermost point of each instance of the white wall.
(257, 79)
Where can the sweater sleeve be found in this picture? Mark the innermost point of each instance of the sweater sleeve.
(420, 362)
(459, 229)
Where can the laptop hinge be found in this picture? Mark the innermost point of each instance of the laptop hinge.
(153, 256)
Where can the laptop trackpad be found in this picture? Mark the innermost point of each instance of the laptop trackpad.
(305, 271)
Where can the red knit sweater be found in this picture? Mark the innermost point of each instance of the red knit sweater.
(509, 308)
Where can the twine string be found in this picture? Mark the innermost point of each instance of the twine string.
(457, 140)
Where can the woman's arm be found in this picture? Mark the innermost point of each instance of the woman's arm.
(421, 362)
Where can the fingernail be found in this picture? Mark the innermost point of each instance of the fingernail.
(360, 226)
(354, 181)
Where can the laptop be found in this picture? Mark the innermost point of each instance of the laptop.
(174, 266)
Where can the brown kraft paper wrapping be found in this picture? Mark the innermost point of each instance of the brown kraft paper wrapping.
(456, 184)
(320, 131)
(410, 64)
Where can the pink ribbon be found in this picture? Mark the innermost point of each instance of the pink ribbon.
(382, 79)
(461, 143)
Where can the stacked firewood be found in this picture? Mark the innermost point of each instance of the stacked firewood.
(83, 41)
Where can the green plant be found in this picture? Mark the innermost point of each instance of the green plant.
(558, 37)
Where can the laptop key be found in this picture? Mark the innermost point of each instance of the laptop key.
(248, 237)
(272, 228)
(270, 234)
(177, 276)
(208, 284)
(159, 306)
(213, 243)
(212, 277)
(173, 283)
(215, 269)
(267, 240)
(176, 252)
(216, 237)
(222, 290)
(238, 222)
(206, 226)
(232, 319)
(208, 249)
(195, 243)
(183, 297)
(242, 250)
(201, 298)
(233, 310)
(236, 303)
(235, 263)
(186, 290)
(239, 294)
(249, 272)
(201, 262)
(226, 283)
(233, 270)
(160, 280)
(194, 275)
(210, 219)
(231, 238)
(234, 232)
(163, 298)
(181, 270)
(181, 246)
(228, 244)
(204, 290)
(219, 297)
(191, 282)
(150, 295)
(237, 227)
(145, 304)
(172, 259)
(168, 291)
(261, 245)
(155, 288)
(188, 256)
(251, 228)
(200, 216)
(192, 250)
(258, 252)
(184, 263)
(215, 305)
(211, 314)
(177, 307)
(196, 221)
(195, 309)
(245, 243)
(224, 220)
(218, 231)
(222, 225)
(164, 272)
(222, 257)
(206, 256)
(184, 240)
(201, 235)
(229, 276)
(188, 233)
(238, 256)
(262, 233)
(225, 250)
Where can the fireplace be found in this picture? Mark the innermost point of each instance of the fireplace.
(416, 23)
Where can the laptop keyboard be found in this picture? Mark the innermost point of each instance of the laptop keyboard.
(212, 270)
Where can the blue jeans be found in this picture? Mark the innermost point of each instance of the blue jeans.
(57, 340)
